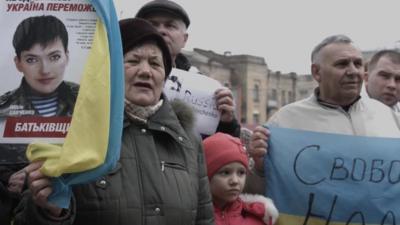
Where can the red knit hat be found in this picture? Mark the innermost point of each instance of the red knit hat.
(221, 149)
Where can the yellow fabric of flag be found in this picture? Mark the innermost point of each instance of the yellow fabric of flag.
(85, 146)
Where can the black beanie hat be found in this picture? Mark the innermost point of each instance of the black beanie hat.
(135, 31)
(166, 6)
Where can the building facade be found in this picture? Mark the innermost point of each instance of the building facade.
(258, 91)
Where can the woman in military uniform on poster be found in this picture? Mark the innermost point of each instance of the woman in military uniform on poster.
(41, 48)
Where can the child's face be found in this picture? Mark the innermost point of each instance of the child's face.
(228, 183)
(43, 68)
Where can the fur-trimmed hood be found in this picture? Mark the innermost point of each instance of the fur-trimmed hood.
(270, 214)
(184, 113)
(247, 209)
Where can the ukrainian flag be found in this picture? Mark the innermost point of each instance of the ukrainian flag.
(92, 145)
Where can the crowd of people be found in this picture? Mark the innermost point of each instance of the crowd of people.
(167, 173)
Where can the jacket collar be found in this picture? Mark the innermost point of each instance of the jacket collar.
(166, 119)
(330, 105)
(64, 92)
(233, 208)
(67, 94)
(256, 205)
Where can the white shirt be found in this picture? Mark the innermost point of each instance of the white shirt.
(364, 94)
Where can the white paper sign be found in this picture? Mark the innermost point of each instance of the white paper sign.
(198, 91)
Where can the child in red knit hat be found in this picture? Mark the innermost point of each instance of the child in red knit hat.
(227, 165)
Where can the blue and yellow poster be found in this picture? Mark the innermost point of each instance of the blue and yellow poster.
(321, 178)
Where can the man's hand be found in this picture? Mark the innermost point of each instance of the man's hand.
(225, 104)
(16, 181)
(259, 146)
(40, 187)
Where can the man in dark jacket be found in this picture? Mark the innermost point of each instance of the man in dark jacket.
(172, 21)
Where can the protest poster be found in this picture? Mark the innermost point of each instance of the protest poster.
(91, 146)
(40, 85)
(322, 178)
(198, 91)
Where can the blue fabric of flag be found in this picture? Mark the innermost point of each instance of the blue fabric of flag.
(62, 185)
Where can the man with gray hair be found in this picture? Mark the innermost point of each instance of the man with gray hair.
(334, 107)
(382, 80)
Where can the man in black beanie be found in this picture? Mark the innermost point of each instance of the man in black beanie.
(172, 21)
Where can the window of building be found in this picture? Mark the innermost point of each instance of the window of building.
(283, 98)
(290, 96)
(303, 93)
(273, 95)
(256, 118)
(256, 93)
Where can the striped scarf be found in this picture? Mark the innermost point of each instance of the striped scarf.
(141, 113)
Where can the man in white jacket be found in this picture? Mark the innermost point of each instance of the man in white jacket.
(382, 80)
(335, 107)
